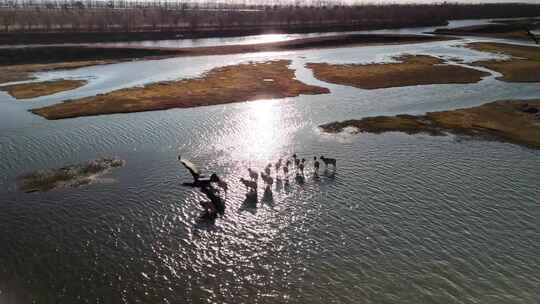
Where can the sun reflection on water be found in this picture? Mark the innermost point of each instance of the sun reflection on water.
(267, 38)
(262, 132)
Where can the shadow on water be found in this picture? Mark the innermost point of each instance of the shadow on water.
(268, 196)
(279, 184)
(330, 174)
(287, 186)
(300, 179)
(212, 210)
(250, 203)
(206, 220)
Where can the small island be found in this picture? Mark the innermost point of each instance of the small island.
(68, 176)
(511, 121)
(507, 29)
(410, 70)
(523, 66)
(234, 83)
(42, 88)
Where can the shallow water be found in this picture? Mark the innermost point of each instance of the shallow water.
(408, 219)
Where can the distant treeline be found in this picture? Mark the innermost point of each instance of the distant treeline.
(91, 16)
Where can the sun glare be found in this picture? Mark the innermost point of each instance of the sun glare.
(262, 138)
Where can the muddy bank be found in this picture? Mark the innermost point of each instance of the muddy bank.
(42, 88)
(411, 70)
(524, 66)
(68, 176)
(235, 83)
(511, 121)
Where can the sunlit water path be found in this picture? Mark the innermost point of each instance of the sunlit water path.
(408, 219)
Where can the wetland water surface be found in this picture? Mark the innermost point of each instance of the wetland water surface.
(408, 219)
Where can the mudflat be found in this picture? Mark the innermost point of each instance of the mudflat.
(411, 70)
(234, 83)
(511, 121)
(42, 88)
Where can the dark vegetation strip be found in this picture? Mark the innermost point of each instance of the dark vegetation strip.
(79, 21)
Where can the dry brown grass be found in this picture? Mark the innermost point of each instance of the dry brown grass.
(412, 70)
(43, 88)
(235, 83)
(524, 66)
(513, 121)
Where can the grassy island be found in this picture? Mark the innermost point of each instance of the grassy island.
(235, 83)
(411, 70)
(43, 88)
(512, 121)
(524, 66)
